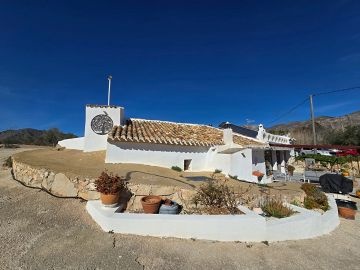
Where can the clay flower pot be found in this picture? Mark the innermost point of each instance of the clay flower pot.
(358, 193)
(109, 200)
(257, 174)
(151, 204)
(346, 212)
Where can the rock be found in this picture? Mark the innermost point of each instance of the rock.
(163, 190)
(47, 182)
(62, 186)
(89, 195)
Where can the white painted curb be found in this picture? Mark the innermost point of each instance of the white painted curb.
(246, 228)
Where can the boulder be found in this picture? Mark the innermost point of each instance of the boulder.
(62, 186)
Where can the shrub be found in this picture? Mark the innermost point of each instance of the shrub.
(295, 202)
(217, 171)
(8, 162)
(215, 196)
(314, 199)
(233, 177)
(176, 168)
(308, 188)
(108, 183)
(291, 168)
(276, 208)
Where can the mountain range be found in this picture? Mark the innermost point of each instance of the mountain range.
(324, 125)
(32, 136)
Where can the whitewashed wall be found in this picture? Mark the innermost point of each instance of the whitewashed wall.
(75, 143)
(93, 141)
(156, 154)
(215, 160)
(241, 165)
(203, 158)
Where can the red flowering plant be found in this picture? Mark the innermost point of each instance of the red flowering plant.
(108, 183)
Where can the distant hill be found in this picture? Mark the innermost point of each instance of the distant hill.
(324, 125)
(34, 136)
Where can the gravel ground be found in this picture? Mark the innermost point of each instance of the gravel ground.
(38, 231)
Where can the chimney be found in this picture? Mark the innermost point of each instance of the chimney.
(228, 136)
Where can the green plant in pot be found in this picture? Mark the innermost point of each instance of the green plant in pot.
(110, 186)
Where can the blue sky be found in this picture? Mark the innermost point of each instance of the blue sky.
(187, 61)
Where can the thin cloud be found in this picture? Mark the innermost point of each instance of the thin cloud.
(354, 57)
(331, 107)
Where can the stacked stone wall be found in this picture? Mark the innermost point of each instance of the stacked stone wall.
(62, 185)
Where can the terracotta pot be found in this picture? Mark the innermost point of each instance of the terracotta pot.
(358, 193)
(258, 174)
(109, 200)
(346, 212)
(151, 204)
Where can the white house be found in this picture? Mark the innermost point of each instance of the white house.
(191, 147)
(279, 151)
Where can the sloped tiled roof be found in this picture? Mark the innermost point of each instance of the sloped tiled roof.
(162, 132)
(239, 129)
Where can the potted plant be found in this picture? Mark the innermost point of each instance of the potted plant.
(110, 186)
(151, 204)
(291, 170)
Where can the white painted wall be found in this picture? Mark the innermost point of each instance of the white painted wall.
(258, 164)
(75, 143)
(274, 160)
(215, 160)
(241, 165)
(156, 154)
(203, 158)
(247, 228)
(93, 141)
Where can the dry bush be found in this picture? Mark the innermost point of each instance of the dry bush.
(215, 198)
(276, 208)
(108, 183)
(314, 199)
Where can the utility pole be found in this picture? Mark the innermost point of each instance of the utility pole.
(312, 119)
(109, 78)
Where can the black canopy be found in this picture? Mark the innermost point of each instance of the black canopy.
(336, 183)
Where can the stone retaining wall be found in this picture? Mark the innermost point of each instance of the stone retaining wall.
(60, 184)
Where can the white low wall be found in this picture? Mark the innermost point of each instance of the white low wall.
(247, 228)
(75, 143)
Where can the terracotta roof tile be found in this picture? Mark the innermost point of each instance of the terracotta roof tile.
(162, 132)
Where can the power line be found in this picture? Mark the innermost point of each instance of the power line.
(337, 90)
(290, 111)
(316, 94)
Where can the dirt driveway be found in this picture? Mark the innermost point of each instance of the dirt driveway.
(38, 231)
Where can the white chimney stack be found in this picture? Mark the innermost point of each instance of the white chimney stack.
(228, 136)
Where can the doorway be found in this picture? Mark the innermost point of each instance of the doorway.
(187, 163)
